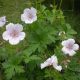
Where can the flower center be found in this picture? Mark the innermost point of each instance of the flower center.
(14, 33)
(30, 15)
(69, 46)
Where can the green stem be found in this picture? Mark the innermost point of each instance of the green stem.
(54, 3)
(73, 6)
(36, 4)
(60, 4)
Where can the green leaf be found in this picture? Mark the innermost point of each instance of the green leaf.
(27, 59)
(35, 57)
(9, 73)
(53, 74)
(32, 48)
(19, 69)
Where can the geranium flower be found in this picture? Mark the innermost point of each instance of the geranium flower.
(13, 33)
(2, 21)
(29, 15)
(51, 61)
(69, 47)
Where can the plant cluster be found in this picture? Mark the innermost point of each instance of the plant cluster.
(43, 34)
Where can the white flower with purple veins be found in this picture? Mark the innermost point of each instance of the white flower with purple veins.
(51, 61)
(2, 21)
(29, 15)
(69, 47)
(13, 33)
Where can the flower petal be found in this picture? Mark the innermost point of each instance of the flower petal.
(72, 52)
(29, 21)
(2, 24)
(59, 68)
(54, 59)
(34, 18)
(72, 41)
(3, 18)
(68, 51)
(65, 50)
(23, 17)
(67, 42)
(5, 35)
(14, 41)
(75, 47)
(21, 35)
(18, 27)
(9, 26)
(43, 65)
(64, 43)
(26, 10)
(33, 10)
(2, 21)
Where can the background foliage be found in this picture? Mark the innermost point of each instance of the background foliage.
(22, 62)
